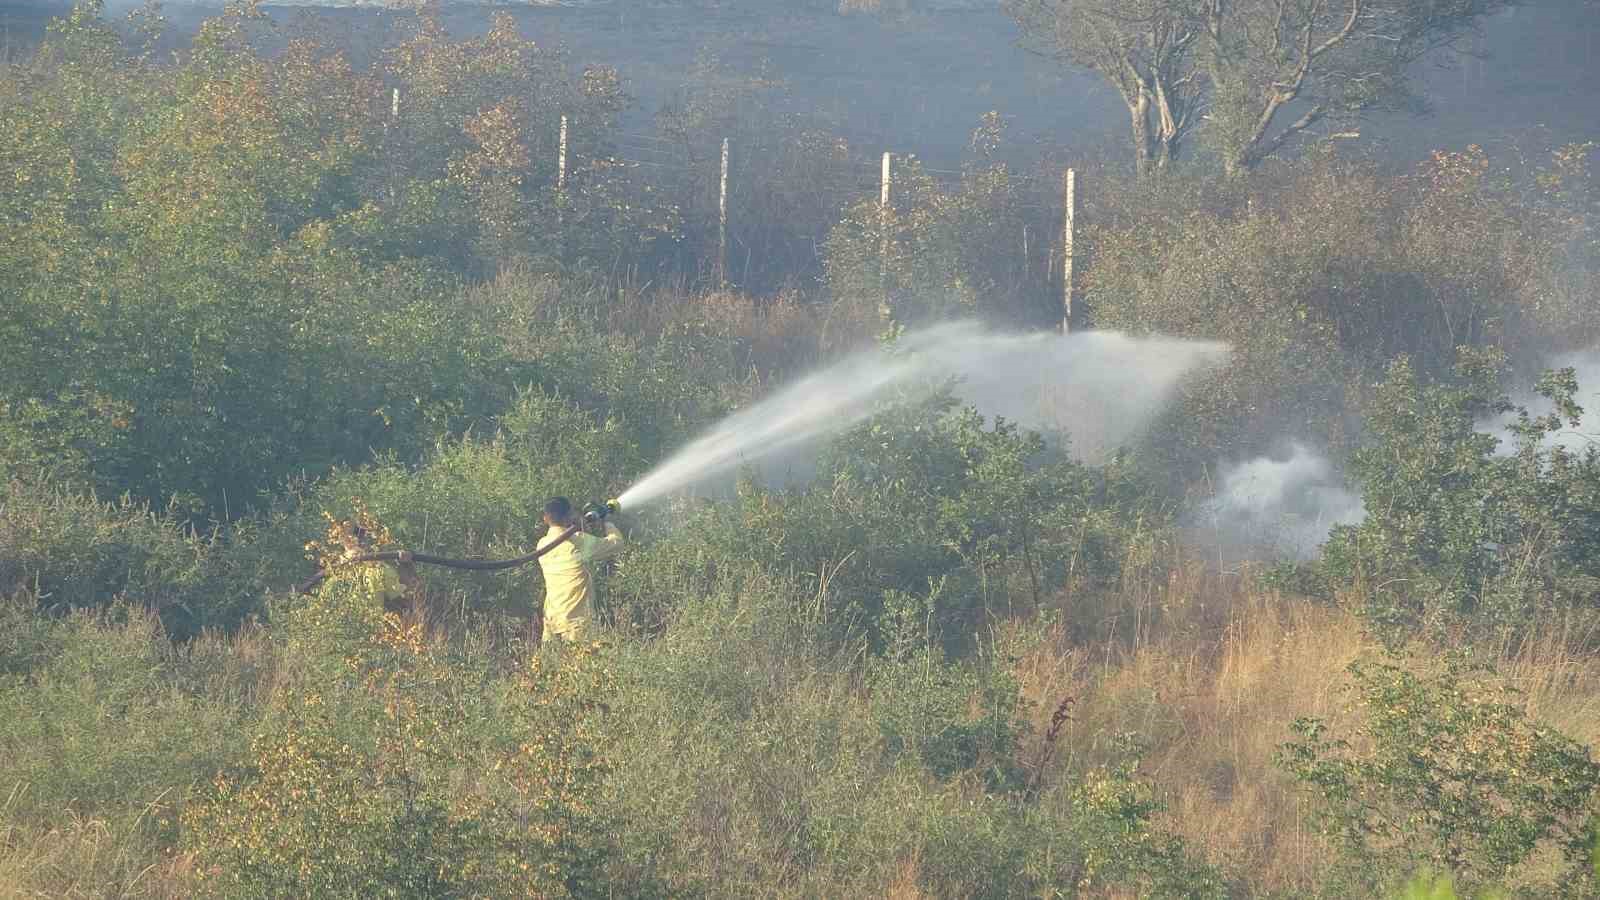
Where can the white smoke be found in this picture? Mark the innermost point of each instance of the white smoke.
(1101, 385)
(1285, 506)
(1586, 366)
(1277, 508)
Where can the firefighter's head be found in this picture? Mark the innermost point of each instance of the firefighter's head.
(558, 512)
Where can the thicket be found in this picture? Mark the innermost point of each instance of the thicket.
(1321, 273)
(1465, 533)
(1452, 777)
(243, 296)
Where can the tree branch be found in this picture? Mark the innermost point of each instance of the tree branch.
(1277, 29)
(1344, 33)
(1312, 116)
(1305, 40)
(1284, 92)
(1137, 84)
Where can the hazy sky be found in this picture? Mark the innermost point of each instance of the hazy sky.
(919, 84)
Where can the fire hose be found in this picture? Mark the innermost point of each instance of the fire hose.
(595, 513)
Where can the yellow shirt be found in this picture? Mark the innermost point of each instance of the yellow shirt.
(378, 580)
(383, 583)
(569, 578)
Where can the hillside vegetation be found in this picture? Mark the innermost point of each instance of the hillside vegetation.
(249, 299)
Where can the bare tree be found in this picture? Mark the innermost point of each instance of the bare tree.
(1280, 70)
(1145, 48)
(1260, 74)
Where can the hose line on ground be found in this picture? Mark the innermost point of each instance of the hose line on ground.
(473, 565)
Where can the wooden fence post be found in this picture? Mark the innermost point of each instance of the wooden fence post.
(561, 157)
(722, 221)
(1068, 232)
(884, 312)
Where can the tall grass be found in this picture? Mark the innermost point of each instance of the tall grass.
(106, 730)
(752, 756)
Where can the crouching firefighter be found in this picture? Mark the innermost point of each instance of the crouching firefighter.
(397, 587)
(569, 570)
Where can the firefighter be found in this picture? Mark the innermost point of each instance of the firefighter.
(394, 586)
(569, 570)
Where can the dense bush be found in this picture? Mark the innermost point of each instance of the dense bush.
(1446, 771)
(69, 550)
(925, 503)
(943, 251)
(1458, 532)
(906, 780)
(145, 215)
(361, 755)
(102, 712)
(244, 296)
(136, 355)
(1319, 275)
(104, 727)
(388, 767)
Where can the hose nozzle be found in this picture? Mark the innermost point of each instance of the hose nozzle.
(598, 511)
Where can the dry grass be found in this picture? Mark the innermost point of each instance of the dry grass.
(1276, 662)
(1214, 678)
(786, 333)
(56, 841)
(81, 856)
(781, 335)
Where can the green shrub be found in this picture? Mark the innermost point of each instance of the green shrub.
(1457, 533)
(954, 718)
(926, 494)
(763, 754)
(1427, 887)
(228, 270)
(1321, 273)
(942, 252)
(69, 550)
(1445, 771)
(390, 768)
(1114, 824)
(482, 496)
(102, 719)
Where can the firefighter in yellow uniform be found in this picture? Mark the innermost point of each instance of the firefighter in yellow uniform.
(569, 570)
(393, 586)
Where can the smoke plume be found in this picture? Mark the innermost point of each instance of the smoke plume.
(1277, 508)
(1586, 365)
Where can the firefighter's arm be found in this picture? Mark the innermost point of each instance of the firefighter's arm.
(608, 546)
(407, 567)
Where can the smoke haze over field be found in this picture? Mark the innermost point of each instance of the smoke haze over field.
(918, 83)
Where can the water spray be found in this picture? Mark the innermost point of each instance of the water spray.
(1114, 385)
(1107, 385)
